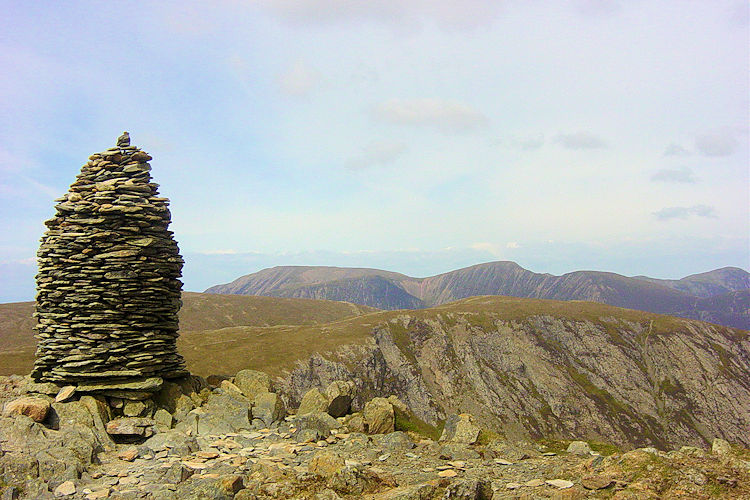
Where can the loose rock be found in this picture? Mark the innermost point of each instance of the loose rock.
(579, 448)
(35, 408)
(379, 416)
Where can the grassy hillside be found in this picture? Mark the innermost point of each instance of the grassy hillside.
(223, 334)
(276, 349)
(200, 312)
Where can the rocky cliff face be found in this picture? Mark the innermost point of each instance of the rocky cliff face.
(591, 373)
(690, 297)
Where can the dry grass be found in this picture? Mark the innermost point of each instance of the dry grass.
(221, 334)
(200, 313)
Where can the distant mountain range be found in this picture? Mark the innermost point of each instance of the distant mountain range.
(721, 296)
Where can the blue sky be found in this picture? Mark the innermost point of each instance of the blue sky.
(409, 135)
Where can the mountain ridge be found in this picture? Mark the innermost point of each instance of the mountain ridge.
(694, 296)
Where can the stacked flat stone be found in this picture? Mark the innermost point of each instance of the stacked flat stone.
(108, 291)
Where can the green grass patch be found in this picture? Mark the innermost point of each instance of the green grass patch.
(487, 436)
(670, 388)
(408, 422)
(605, 449)
(402, 339)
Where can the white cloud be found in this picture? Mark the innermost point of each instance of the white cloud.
(512, 244)
(445, 115)
(682, 174)
(675, 150)
(526, 143)
(685, 212)
(377, 153)
(298, 80)
(581, 140)
(716, 143)
(490, 248)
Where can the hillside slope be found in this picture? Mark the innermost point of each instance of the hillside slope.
(385, 290)
(716, 282)
(199, 312)
(277, 279)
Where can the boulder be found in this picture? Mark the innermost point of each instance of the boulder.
(183, 406)
(321, 423)
(34, 408)
(65, 489)
(394, 441)
(460, 429)
(252, 382)
(228, 386)
(379, 416)
(268, 407)
(720, 447)
(174, 441)
(177, 473)
(61, 462)
(87, 415)
(163, 420)
(131, 427)
(596, 482)
(326, 464)
(355, 422)
(17, 468)
(139, 408)
(340, 395)
(313, 401)
(581, 448)
(224, 412)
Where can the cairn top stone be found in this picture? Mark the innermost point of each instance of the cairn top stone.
(124, 140)
(108, 288)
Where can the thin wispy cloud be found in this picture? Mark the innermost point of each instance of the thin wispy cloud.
(377, 154)
(445, 115)
(669, 213)
(581, 140)
(528, 143)
(678, 175)
(675, 149)
(716, 143)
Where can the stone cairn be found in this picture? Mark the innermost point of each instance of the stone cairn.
(108, 291)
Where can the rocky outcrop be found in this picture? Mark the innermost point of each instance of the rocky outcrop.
(318, 456)
(658, 382)
(108, 287)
